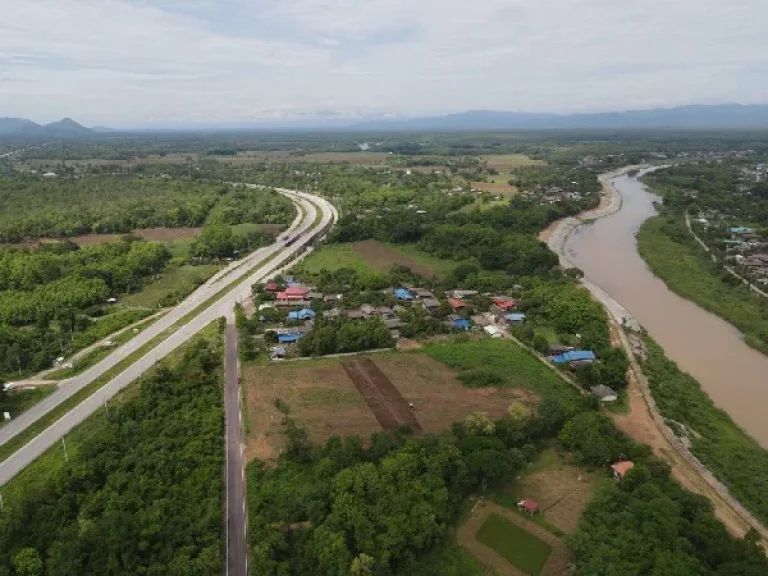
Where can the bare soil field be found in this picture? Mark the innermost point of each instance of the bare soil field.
(380, 257)
(322, 397)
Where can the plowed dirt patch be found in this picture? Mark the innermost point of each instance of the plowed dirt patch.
(381, 257)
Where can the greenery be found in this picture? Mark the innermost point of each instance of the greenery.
(523, 550)
(734, 458)
(175, 283)
(339, 336)
(669, 250)
(142, 493)
(16, 401)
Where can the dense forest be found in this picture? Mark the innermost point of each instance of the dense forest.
(143, 495)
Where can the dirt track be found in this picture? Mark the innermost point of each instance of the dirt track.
(384, 400)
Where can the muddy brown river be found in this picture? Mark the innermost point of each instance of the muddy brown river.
(734, 375)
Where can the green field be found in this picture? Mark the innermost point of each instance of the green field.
(523, 550)
(687, 271)
(514, 366)
(331, 257)
(172, 285)
(436, 265)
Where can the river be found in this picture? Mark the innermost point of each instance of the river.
(734, 375)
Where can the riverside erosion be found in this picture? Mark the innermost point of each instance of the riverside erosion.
(734, 375)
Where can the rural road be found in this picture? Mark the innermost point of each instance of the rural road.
(305, 229)
(237, 518)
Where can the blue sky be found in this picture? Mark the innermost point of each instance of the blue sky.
(202, 62)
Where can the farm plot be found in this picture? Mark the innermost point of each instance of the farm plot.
(382, 256)
(321, 397)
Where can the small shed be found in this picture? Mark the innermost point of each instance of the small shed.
(528, 506)
(604, 393)
(620, 469)
(431, 304)
(289, 338)
(492, 331)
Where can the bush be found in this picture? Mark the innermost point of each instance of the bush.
(480, 378)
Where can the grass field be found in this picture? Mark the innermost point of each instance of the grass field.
(19, 400)
(377, 256)
(686, 271)
(179, 281)
(505, 164)
(521, 548)
(561, 489)
(515, 367)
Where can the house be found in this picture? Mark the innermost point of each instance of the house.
(394, 323)
(295, 292)
(303, 314)
(423, 293)
(528, 506)
(462, 324)
(403, 294)
(271, 287)
(50, 175)
(353, 314)
(397, 309)
(515, 318)
(620, 469)
(503, 302)
(456, 304)
(430, 304)
(331, 313)
(493, 331)
(367, 309)
(574, 356)
(461, 294)
(739, 230)
(289, 338)
(604, 393)
(293, 303)
(315, 295)
(383, 310)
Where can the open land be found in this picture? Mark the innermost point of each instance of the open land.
(181, 281)
(322, 397)
(505, 164)
(561, 489)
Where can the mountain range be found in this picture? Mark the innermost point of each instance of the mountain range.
(695, 117)
(66, 128)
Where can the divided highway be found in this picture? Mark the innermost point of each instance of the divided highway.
(305, 230)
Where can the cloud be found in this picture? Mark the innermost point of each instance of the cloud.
(136, 62)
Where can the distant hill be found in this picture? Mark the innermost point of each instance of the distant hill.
(721, 116)
(20, 127)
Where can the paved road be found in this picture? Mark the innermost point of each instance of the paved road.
(303, 228)
(237, 518)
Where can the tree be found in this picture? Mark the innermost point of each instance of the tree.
(479, 423)
(27, 562)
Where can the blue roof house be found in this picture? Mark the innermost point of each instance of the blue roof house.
(289, 338)
(403, 294)
(303, 314)
(740, 230)
(573, 356)
(515, 318)
(462, 324)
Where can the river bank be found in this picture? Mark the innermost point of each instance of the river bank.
(686, 467)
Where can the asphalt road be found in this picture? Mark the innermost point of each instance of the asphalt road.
(237, 518)
(303, 228)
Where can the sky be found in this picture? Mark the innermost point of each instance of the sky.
(163, 63)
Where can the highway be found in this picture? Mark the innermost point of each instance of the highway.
(236, 516)
(304, 229)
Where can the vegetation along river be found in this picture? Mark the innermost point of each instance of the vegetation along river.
(734, 375)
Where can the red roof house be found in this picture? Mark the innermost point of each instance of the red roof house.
(528, 506)
(456, 304)
(621, 468)
(504, 303)
(293, 293)
(271, 287)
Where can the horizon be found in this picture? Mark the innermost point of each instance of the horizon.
(231, 62)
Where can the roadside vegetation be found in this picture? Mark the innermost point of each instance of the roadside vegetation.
(142, 490)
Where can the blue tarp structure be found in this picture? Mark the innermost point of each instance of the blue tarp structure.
(462, 324)
(516, 317)
(288, 338)
(303, 314)
(403, 294)
(573, 356)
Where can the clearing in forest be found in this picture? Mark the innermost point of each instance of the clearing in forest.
(382, 256)
(322, 398)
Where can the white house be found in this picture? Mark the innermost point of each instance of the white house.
(492, 331)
